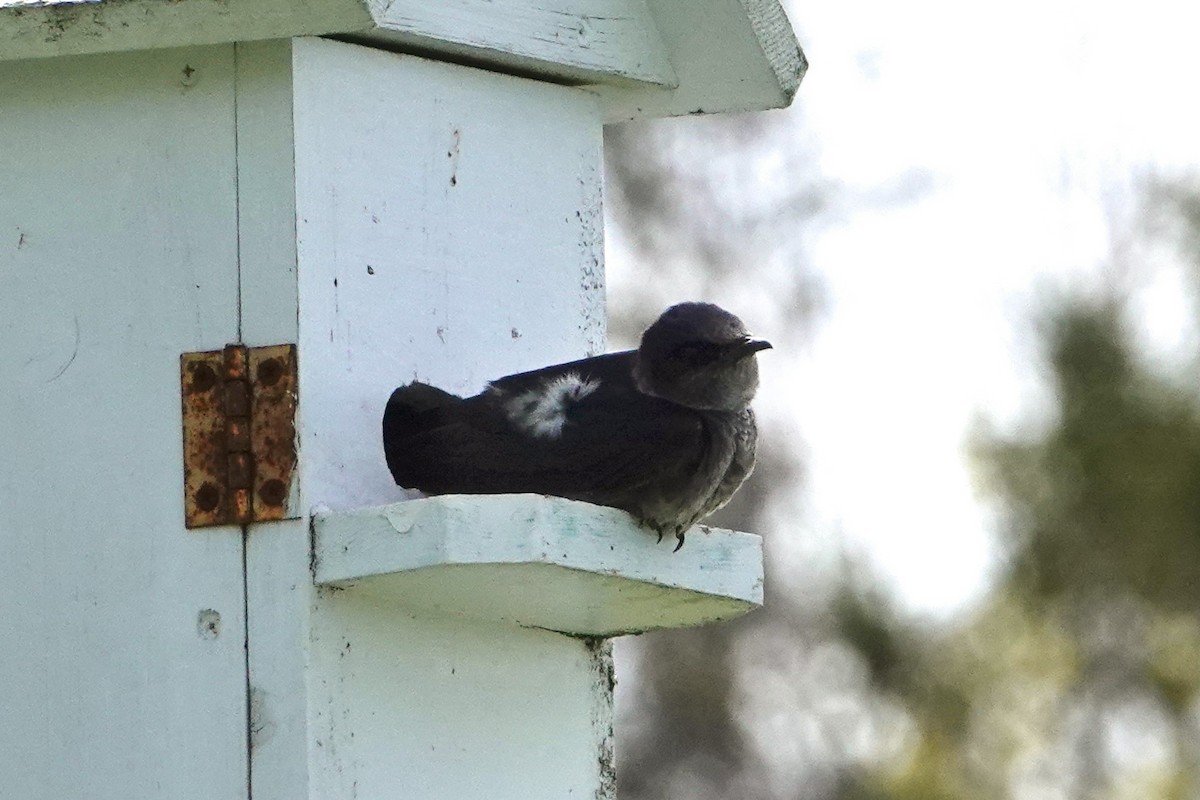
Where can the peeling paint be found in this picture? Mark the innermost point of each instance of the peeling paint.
(208, 623)
(453, 154)
(590, 218)
(261, 727)
(601, 655)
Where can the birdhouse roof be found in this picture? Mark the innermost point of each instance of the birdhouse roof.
(645, 58)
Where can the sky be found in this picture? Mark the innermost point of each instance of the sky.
(1029, 126)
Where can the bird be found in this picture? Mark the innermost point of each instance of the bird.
(664, 432)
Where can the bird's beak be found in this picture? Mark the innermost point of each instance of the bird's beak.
(750, 345)
(747, 347)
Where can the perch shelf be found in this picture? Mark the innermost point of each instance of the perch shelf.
(538, 562)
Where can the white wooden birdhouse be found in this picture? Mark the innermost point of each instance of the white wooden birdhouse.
(227, 231)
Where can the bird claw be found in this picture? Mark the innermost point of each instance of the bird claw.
(678, 535)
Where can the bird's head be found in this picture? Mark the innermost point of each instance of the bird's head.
(700, 356)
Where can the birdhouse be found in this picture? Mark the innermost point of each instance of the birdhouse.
(227, 231)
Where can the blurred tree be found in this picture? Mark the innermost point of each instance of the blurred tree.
(721, 208)
(778, 704)
(1079, 677)
(1108, 501)
(696, 199)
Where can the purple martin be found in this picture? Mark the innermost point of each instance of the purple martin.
(664, 432)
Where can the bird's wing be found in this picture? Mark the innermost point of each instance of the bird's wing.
(610, 437)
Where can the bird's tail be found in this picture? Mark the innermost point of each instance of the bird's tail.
(411, 411)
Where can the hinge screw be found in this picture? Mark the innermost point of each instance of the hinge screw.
(272, 492)
(270, 371)
(207, 497)
(203, 378)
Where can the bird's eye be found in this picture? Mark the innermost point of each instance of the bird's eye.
(696, 353)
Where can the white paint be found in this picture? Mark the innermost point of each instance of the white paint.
(452, 243)
(644, 58)
(117, 253)
(266, 176)
(396, 218)
(280, 598)
(543, 411)
(432, 708)
(53, 28)
(730, 56)
(588, 41)
(540, 562)
(337, 180)
(477, 210)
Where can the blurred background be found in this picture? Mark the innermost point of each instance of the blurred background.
(975, 243)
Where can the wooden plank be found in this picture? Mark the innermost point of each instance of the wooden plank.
(494, 251)
(279, 590)
(540, 562)
(450, 230)
(584, 41)
(644, 58)
(278, 584)
(266, 193)
(44, 29)
(449, 226)
(730, 56)
(124, 670)
(407, 706)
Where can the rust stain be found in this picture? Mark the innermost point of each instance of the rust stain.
(234, 358)
(273, 428)
(239, 449)
(239, 460)
(203, 439)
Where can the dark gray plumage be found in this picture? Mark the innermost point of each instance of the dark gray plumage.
(664, 432)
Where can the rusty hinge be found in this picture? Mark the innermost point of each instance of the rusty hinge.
(239, 434)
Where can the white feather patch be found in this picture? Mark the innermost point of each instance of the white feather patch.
(543, 412)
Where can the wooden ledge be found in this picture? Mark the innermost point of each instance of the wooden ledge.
(539, 562)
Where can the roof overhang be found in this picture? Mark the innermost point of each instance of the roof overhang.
(645, 58)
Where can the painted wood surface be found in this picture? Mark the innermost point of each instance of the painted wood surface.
(49, 28)
(433, 708)
(449, 230)
(459, 214)
(398, 218)
(122, 672)
(280, 597)
(643, 58)
(537, 562)
(585, 41)
(730, 56)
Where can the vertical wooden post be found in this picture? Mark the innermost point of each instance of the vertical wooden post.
(448, 225)
(123, 666)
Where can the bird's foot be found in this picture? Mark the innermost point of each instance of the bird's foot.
(659, 536)
(679, 536)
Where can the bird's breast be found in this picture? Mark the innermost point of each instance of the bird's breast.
(694, 489)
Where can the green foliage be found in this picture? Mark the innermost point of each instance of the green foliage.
(1108, 500)
(1102, 518)
(1094, 626)
(1097, 620)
